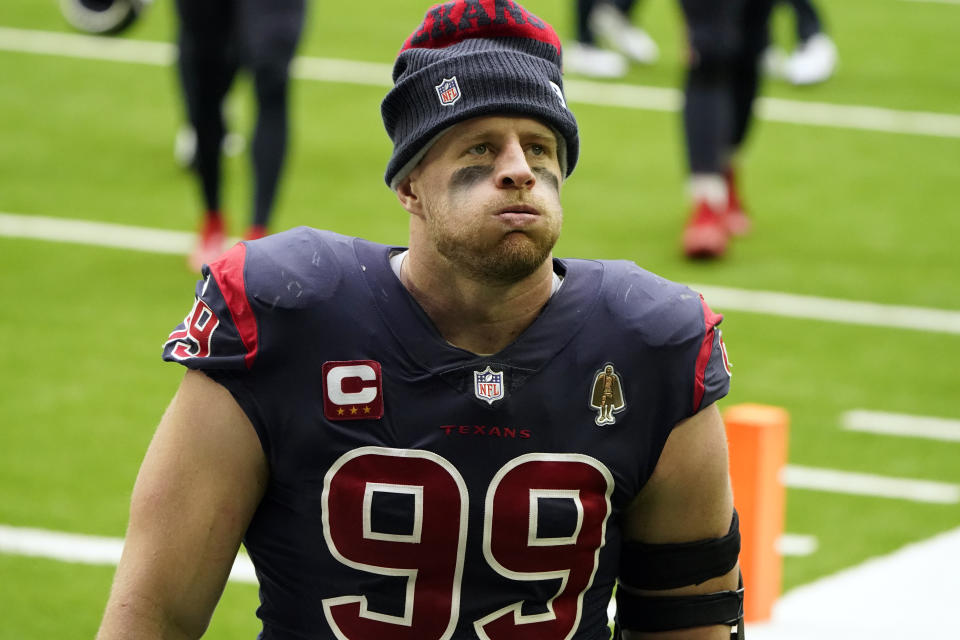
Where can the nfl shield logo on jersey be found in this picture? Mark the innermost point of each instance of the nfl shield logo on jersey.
(488, 385)
(449, 91)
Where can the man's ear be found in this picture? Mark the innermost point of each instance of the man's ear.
(407, 194)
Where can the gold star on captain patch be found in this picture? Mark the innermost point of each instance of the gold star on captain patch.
(366, 409)
(339, 412)
(353, 410)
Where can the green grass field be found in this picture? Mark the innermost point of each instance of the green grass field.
(839, 212)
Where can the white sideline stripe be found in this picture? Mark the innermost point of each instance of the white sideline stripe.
(831, 310)
(85, 549)
(119, 236)
(869, 118)
(898, 424)
(842, 606)
(866, 484)
(910, 593)
(935, 1)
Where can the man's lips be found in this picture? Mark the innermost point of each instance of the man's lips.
(518, 214)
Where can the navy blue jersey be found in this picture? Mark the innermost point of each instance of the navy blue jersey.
(419, 491)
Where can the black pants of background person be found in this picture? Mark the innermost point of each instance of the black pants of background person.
(808, 22)
(216, 38)
(727, 40)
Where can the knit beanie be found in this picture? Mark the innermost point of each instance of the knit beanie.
(471, 58)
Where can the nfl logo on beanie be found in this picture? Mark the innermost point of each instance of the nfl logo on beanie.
(449, 91)
(472, 58)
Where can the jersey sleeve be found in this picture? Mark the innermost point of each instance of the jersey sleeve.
(711, 380)
(219, 336)
(220, 330)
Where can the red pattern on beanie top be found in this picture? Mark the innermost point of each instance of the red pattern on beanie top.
(450, 22)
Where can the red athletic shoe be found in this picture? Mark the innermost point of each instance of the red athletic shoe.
(211, 243)
(738, 224)
(255, 232)
(706, 233)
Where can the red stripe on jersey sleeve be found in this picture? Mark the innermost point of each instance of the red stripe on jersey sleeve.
(227, 271)
(710, 320)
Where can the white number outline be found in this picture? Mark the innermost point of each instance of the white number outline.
(380, 487)
(517, 607)
(533, 539)
(411, 574)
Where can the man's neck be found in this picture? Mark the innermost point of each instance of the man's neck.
(476, 316)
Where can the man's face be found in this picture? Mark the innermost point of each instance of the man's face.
(487, 197)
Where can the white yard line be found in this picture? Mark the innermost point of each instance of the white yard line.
(867, 484)
(98, 234)
(721, 298)
(898, 424)
(629, 96)
(97, 550)
(953, 2)
(792, 544)
(831, 310)
(73, 45)
(67, 547)
(101, 234)
(85, 549)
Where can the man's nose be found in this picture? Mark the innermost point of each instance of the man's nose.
(513, 170)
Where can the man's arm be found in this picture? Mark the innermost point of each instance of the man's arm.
(687, 498)
(198, 487)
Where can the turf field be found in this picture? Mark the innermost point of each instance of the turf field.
(859, 208)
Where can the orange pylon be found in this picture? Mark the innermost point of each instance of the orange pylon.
(757, 436)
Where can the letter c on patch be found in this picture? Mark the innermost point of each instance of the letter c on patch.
(352, 390)
(336, 376)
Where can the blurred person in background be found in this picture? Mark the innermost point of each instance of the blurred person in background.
(814, 57)
(216, 38)
(727, 41)
(606, 40)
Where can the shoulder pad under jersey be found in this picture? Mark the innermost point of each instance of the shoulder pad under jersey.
(665, 315)
(252, 281)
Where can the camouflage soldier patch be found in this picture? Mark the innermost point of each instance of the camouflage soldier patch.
(606, 395)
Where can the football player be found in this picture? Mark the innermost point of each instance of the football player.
(406, 439)
(727, 41)
(215, 38)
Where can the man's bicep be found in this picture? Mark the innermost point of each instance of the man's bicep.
(686, 500)
(198, 487)
(688, 496)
